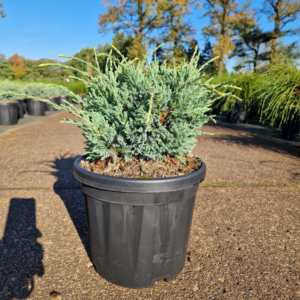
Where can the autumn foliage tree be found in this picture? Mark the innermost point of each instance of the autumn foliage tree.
(281, 12)
(136, 17)
(17, 65)
(176, 31)
(141, 17)
(224, 15)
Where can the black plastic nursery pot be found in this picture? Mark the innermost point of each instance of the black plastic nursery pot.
(50, 107)
(239, 114)
(65, 97)
(35, 107)
(21, 108)
(8, 113)
(138, 228)
(291, 127)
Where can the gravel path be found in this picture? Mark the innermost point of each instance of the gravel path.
(244, 241)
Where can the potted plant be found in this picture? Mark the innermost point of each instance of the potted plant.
(138, 177)
(53, 94)
(21, 107)
(280, 97)
(16, 87)
(239, 111)
(8, 111)
(8, 105)
(36, 92)
(64, 96)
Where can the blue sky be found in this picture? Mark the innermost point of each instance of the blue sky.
(44, 29)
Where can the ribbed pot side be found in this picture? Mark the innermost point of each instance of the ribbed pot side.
(21, 105)
(138, 228)
(35, 107)
(50, 107)
(8, 113)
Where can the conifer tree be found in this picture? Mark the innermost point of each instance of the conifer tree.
(5, 70)
(2, 58)
(84, 54)
(282, 12)
(205, 56)
(291, 51)
(159, 54)
(120, 41)
(193, 48)
(249, 42)
(224, 15)
(34, 72)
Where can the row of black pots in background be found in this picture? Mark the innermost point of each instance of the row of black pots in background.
(12, 111)
(290, 128)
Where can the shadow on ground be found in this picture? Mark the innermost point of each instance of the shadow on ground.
(68, 188)
(254, 142)
(20, 254)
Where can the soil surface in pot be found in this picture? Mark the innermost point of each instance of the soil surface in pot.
(142, 169)
(7, 101)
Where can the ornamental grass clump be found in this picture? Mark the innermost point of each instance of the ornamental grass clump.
(280, 93)
(137, 109)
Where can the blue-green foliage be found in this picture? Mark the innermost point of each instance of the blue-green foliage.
(9, 86)
(142, 109)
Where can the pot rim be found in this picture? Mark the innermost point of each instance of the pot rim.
(32, 99)
(5, 102)
(151, 185)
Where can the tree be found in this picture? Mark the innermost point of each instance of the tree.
(2, 58)
(176, 31)
(17, 65)
(86, 54)
(137, 17)
(224, 15)
(34, 72)
(159, 54)
(2, 14)
(205, 56)
(282, 12)
(5, 70)
(121, 41)
(291, 51)
(206, 53)
(249, 42)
